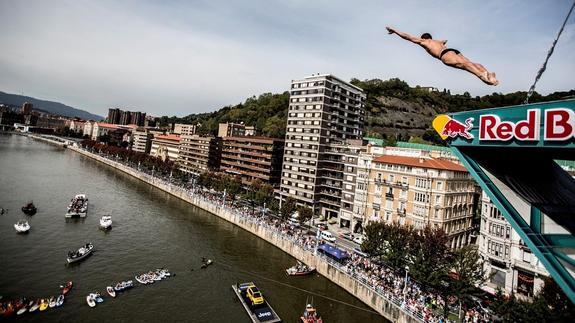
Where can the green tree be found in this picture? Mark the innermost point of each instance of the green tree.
(400, 243)
(374, 243)
(305, 214)
(288, 207)
(432, 257)
(469, 271)
(275, 127)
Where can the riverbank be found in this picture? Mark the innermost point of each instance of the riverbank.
(387, 305)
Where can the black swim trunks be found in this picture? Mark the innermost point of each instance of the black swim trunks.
(448, 50)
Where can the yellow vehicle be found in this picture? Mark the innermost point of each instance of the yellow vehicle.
(254, 295)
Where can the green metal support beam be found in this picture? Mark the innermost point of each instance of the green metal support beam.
(543, 246)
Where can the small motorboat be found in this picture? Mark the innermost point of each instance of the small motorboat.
(111, 291)
(98, 298)
(310, 315)
(22, 226)
(121, 286)
(82, 253)
(34, 306)
(52, 302)
(43, 304)
(60, 301)
(29, 208)
(22, 310)
(106, 222)
(90, 300)
(206, 264)
(66, 288)
(300, 269)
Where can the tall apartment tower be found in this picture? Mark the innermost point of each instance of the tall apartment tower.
(114, 115)
(27, 108)
(324, 113)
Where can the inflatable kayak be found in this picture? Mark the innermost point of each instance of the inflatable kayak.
(52, 302)
(60, 301)
(111, 291)
(90, 301)
(43, 304)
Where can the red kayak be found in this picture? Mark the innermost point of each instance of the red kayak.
(66, 289)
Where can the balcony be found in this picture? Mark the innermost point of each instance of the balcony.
(331, 193)
(401, 212)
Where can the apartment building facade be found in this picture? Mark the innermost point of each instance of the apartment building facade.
(324, 113)
(166, 147)
(185, 129)
(253, 158)
(420, 192)
(510, 264)
(199, 154)
(230, 129)
(142, 140)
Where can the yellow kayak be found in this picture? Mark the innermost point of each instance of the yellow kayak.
(43, 305)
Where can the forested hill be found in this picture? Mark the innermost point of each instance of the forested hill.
(51, 107)
(393, 108)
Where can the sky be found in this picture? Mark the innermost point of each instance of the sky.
(180, 57)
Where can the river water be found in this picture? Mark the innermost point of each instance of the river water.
(151, 229)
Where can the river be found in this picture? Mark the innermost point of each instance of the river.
(151, 229)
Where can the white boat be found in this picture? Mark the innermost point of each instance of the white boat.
(22, 226)
(111, 291)
(78, 207)
(60, 301)
(106, 222)
(90, 300)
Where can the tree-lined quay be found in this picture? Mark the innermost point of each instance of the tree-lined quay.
(413, 269)
(381, 280)
(439, 280)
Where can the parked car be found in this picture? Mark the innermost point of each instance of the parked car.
(358, 239)
(294, 222)
(327, 236)
(347, 235)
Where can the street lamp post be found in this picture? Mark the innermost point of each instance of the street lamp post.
(264, 210)
(405, 284)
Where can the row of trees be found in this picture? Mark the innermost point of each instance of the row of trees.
(427, 257)
(147, 161)
(457, 273)
(67, 132)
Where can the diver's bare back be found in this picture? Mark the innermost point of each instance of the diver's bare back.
(433, 47)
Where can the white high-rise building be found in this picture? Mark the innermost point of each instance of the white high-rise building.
(325, 113)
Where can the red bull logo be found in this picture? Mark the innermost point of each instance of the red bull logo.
(557, 124)
(447, 127)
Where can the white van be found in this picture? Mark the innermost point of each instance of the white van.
(293, 221)
(327, 236)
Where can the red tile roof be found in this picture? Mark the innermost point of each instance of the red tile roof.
(420, 162)
(107, 125)
(168, 137)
